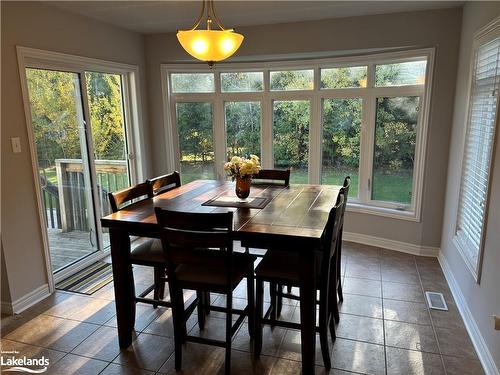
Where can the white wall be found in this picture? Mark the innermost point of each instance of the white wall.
(36, 25)
(438, 28)
(482, 300)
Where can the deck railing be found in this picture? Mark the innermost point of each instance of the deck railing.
(66, 203)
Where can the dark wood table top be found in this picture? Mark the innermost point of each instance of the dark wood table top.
(297, 212)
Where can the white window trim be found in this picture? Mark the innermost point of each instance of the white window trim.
(315, 97)
(483, 35)
(42, 59)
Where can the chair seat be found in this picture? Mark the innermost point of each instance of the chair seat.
(149, 252)
(284, 266)
(215, 274)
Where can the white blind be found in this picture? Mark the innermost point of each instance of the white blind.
(478, 148)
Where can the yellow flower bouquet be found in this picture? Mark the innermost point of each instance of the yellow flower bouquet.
(242, 167)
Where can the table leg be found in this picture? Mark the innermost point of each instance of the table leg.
(123, 280)
(308, 311)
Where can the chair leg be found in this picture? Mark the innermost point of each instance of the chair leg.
(279, 300)
(229, 324)
(158, 274)
(325, 351)
(178, 319)
(339, 267)
(259, 311)
(323, 331)
(251, 304)
(200, 308)
(272, 295)
(207, 303)
(333, 334)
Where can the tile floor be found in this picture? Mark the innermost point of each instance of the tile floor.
(385, 328)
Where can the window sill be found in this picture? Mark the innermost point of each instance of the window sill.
(383, 211)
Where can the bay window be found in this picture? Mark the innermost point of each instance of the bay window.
(364, 116)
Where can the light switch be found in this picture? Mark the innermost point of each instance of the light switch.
(16, 145)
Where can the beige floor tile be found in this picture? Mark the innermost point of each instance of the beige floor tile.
(407, 266)
(363, 287)
(291, 347)
(53, 333)
(455, 342)
(144, 315)
(271, 340)
(102, 344)
(361, 328)
(366, 271)
(462, 366)
(358, 356)
(215, 328)
(400, 277)
(76, 365)
(361, 305)
(242, 363)
(163, 325)
(410, 336)
(114, 369)
(106, 292)
(408, 362)
(197, 359)
(147, 352)
(20, 350)
(83, 308)
(409, 312)
(402, 292)
(448, 319)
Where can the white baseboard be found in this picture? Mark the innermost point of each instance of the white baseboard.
(477, 339)
(26, 301)
(385, 243)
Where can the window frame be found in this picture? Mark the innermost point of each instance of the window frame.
(368, 95)
(484, 35)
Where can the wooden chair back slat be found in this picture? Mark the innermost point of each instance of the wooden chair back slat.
(120, 199)
(195, 238)
(274, 175)
(162, 184)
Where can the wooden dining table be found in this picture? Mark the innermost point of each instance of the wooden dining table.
(293, 219)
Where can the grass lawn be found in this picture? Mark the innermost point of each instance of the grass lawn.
(393, 187)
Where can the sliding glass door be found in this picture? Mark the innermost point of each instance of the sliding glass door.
(59, 130)
(78, 127)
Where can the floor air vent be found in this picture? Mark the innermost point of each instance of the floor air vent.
(436, 301)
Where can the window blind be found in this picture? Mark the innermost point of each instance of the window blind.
(478, 149)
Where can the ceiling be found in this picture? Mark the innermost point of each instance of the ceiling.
(149, 17)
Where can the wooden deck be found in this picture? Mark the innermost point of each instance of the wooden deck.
(66, 248)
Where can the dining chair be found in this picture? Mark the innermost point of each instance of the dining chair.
(278, 295)
(162, 184)
(199, 252)
(283, 268)
(345, 190)
(150, 251)
(273, 176)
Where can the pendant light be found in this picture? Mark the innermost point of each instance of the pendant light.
(209, 45)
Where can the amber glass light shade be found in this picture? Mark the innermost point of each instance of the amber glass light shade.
(210, 45)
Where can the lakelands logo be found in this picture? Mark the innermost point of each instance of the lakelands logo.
(10, 363)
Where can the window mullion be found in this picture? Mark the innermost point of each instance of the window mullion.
(367, 139)
(219, 129)
(267, 159)
(315, 140)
